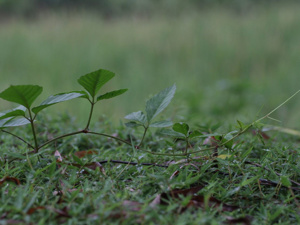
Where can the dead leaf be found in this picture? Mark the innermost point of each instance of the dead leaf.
(10, 179)
(82, 154)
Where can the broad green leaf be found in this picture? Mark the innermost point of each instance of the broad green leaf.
(111, 94)
(163, 123)
(16, 122)
(182, 128)
(19, 111)
(133, 124)
(172, 133)
(285, 181)
(159, 102)
(58, 98)
(92, 82)
(195, 133)
(22, 94)
(137, 117)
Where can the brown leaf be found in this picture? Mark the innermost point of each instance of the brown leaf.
(95, 165)
(10, 179)
(82, 154)
(33, 210)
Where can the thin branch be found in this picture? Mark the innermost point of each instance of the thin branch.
(132, 163)
(278, 174)
(18, 138)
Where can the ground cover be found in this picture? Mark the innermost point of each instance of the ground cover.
(181, 175)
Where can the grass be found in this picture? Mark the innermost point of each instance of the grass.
(53, 190)
(226, 65)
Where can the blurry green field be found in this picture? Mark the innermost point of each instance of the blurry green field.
(226, 65)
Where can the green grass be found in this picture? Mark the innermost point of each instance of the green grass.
(52, 193)
(226, 65)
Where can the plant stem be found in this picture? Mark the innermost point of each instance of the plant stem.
(145, 131)
(62, 136)
(16, 136)
(33, 131)
(90, 116)
(106, 135)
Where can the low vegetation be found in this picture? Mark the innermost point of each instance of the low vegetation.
(146, 171)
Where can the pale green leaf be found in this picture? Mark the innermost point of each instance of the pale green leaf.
(19, 111)
(137, 117)
(58, 98)
(159, 102)
(163, 123)
(111, 94)
(92, 82)
(4, 121)
(15, 122)
(22, 94)
(172, 133)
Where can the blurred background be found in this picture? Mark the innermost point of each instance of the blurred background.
(230, 59)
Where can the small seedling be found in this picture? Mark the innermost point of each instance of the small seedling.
(25, 95)
(154, 106)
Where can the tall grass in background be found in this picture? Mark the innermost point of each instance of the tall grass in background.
(226, 65)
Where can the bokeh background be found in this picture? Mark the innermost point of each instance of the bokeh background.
(229, 59)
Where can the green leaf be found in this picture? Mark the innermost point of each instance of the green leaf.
(92, 82)
(163, 123)
(133, 124)
(137, 117)
(53, 99)
(182, 128)
(249, 181)
(111, 94)
(195, 133)
(78, 160)
(159, 102)
(16, 122)
(19, 111)
(4, 121)
(22, 94)
(172, 133)
(285, 181)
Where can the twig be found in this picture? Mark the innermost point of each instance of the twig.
(132, 163)
(18, 138)
(278, 174)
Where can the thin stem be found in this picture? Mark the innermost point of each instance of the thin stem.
(145, 131)
(132, 163)
(33, 131)
(265, 116)
(107, 135)
(90, 116)
(16, 136)
(62, 136)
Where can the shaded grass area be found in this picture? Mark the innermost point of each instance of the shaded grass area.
(226, 65)
(61, 188)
